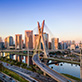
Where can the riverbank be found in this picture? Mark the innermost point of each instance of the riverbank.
(12, 74)
(19, 53)
(63, 60)
(33, 70)
(72, 77)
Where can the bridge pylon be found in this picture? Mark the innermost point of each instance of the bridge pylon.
(41, 39)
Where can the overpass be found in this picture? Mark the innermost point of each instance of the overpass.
(58, 77)
(31, 50)
(75, 53)
(55, 75)
(80, 62)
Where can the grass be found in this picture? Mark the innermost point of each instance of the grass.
(12, 74)
(32, 68)
(64, 60)
(72, 77)
(20, 53)
(1, 81)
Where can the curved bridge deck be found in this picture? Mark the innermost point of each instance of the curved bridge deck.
(48, 71)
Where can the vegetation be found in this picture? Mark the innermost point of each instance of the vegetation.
(33, 68)
(73, 55)
(12, 74)
(1, 81)
(20, 53)
(63, 60)
(57, 53)
(72, 77)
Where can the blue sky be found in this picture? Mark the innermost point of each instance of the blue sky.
(63, 17)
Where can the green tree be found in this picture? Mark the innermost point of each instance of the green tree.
(1, 67)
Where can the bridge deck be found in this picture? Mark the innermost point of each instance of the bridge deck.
(48, 71)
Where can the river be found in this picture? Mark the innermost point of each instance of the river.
(66, 68)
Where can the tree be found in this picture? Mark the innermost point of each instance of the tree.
(1, 67)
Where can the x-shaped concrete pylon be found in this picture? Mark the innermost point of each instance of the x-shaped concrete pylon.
(40, 30)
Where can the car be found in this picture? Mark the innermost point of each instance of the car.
(43, 65)
(4, 76)
(33, 81)
(10, 78)
(68, 81)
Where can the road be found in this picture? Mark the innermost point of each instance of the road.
(63, 60)
(48, 71)
(6, 78)
(29, 50)
(24, 75)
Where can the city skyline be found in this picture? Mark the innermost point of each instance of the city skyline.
(40, 37)
(63, 17)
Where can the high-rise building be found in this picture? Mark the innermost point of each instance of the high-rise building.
(80, 45)
(1, 45)
(45, 36)
(18, 41)
(73, 46)
(0, 39)
(29, 39)
(59, 45)
(73, 42)
(65, 45)
(35, 41)
(68, 44)
(55, 42)
(23, 44)
(49, 45)
(62, 45)
(8, 42)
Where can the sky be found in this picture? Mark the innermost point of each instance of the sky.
(62, 17)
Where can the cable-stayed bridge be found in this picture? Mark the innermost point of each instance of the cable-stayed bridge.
(57, 76)
(42, 66)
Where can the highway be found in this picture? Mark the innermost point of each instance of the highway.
(29, 50)
(24, 75)
(75, 53)
(6, 78)
(48, 71)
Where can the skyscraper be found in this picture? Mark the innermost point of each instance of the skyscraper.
(73, 46)
(49, 45)
(62, 45)
(1, 43)
(73, 42)
(8, 42)
(0, 39)
(65, 45)
(29, 39)
(18, 41)
(68, 44)
(35, 41)
(55, 42)
(45, 36)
